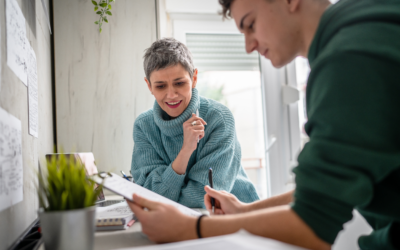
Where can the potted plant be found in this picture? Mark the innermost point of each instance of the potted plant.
(67, 212)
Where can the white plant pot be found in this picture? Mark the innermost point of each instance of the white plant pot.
(70, 229)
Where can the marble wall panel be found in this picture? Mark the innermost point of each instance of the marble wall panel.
(99, 78)
(14, 99)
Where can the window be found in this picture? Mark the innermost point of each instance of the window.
(229, 75)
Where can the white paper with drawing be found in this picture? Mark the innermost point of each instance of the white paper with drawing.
(121, 186)
(118, 210)
(17, 47)
(33, 93)
(11, 184)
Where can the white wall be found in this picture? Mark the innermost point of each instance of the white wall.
(14, 99)
(99, 78)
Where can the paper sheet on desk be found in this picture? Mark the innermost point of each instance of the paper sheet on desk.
(121, 186)
(240, 240)
(114, 211)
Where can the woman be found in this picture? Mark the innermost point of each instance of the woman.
(174, 147)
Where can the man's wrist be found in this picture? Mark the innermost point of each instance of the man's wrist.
(246, 207)
(191, 233)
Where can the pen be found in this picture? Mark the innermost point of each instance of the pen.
(124, 175)
(197, 114)
(211, 185)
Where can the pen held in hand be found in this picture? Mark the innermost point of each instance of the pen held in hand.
(197, 114)
(210, 180)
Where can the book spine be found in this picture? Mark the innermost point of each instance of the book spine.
(110, 222)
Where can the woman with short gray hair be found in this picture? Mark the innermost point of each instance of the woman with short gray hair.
(185, 134)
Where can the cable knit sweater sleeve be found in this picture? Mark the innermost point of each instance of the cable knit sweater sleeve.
(149, 169)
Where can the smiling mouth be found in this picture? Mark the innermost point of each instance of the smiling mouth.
(173, 104)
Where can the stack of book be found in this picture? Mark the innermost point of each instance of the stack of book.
(115, 217)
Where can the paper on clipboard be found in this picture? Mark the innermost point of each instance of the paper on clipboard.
(121, 186)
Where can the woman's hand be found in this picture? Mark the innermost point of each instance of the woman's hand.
(225, 203)
(163, 222)
(191, 133)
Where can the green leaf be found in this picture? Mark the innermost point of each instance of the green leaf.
(97, 22)
(98, 12)
(105, 20)
(103, 5)
(100, 30)
(96, 8)
(109, 13)
(109, 6)
(94, 2)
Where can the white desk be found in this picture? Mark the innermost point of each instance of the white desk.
(133, 236)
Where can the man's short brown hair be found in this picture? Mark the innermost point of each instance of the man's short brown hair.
(226, 7)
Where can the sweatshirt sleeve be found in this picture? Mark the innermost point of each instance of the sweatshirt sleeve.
(151, 171)
(221, 152)
(353, 129)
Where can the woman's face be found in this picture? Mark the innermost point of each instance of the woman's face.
(172, 88)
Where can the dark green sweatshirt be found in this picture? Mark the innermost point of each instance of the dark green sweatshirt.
(352, 160)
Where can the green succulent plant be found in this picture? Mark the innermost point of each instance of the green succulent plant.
(66, 186)
(103, 9)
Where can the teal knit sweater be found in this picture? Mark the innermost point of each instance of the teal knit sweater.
(158, 140)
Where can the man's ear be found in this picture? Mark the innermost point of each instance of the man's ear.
(293, 5)
(194, 78)
(148, 84)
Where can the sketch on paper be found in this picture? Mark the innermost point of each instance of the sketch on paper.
(17, 46)
(11, 170)
(118, 210)
(32, 93)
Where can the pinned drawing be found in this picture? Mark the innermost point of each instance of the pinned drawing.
(11, 175)
(17, 44)
(33, 93)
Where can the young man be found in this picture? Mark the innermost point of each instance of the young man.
(353, 158)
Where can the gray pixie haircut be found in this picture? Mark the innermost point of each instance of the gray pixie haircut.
(167, 52)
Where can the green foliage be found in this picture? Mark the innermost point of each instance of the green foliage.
(66, 186)
(102, 8)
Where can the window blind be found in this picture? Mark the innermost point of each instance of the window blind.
(221, 52)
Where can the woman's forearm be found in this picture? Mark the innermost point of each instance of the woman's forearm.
(278, 200)
(279, 223)
(181, 161)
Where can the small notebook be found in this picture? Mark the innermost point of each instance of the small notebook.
(115, 217)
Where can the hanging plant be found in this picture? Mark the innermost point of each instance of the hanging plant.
(102, 8)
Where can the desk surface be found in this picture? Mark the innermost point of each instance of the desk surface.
(133, 236)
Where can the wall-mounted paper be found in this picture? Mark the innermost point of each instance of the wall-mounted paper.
(17, 47)
(33, 93)
(11, 183)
